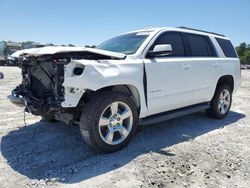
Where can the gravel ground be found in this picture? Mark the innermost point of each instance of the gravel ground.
(191, 151)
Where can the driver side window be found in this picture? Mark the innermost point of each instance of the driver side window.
(173, 38)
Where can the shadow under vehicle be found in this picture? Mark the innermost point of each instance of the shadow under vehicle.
(44, 150)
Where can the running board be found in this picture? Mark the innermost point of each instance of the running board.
(174, 114)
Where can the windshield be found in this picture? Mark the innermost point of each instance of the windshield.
(127, 43)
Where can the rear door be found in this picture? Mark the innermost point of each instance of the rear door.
(205, 66)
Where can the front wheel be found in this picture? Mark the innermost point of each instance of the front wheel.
(109, 121)
(221, 102)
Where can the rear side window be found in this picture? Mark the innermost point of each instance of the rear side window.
(173, 38)
(227, 47)
(200, 46)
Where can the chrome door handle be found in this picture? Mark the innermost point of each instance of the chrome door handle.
(215, 64)
(186, 66)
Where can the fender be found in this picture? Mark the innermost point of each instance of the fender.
(98, 74)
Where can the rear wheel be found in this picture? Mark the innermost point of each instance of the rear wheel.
(221, 102)
(109, 121)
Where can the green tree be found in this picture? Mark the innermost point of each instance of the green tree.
(241, 49)
(246, 58)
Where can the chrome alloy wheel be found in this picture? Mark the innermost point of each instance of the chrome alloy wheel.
(224, 101)
(115, 123)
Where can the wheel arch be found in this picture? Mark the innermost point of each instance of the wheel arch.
(127, 89)
(226, 79)
(130, 90)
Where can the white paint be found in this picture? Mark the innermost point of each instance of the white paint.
(163, 48)
(171, 82)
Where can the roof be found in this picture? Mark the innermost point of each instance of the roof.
(209, 32)
(181, 29)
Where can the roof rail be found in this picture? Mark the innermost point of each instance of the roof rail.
(183, 27)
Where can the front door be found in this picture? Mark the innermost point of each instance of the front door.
(169, 77)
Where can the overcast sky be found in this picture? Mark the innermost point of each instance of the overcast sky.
(83, 22)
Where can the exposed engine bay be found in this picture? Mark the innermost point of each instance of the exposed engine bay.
(41, 91)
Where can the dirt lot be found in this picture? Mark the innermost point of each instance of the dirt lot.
(192, 151)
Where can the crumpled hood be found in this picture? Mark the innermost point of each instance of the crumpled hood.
(17, 53)
(50, 50)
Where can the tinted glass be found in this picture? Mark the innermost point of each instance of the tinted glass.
(211, 47)
(227, 47)
(127, 44)
(173, 38)
(198, 45)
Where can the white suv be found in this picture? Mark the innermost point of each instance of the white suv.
(140, 77)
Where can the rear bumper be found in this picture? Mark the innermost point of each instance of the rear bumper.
(237, 83)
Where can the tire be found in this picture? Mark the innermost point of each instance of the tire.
(1, 75)
(108, 121)
(221, 102)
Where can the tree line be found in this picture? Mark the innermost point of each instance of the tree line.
(243, 51)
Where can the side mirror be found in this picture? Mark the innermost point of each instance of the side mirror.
(161, 50)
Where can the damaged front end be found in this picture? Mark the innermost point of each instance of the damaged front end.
(41, 91)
